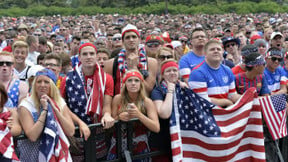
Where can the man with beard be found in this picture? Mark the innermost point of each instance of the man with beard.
(195, 56)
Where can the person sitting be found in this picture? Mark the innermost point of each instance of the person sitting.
(131, 103)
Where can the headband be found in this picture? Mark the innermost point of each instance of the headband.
(132, 74)
(87, 45)
(48, 73)
(258, 61)
(245, 52)
(274, 53)
(168, 64)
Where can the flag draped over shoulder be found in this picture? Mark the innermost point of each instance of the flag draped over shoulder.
(274, 113)
(6, 140)
(54, 145)
(201, 131)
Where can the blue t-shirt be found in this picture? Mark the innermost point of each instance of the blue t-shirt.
(208, 82)
(275, 79)
(188, 62)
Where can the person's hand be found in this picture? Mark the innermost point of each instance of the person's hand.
(84, 130)
(10, 122)
(107, 121)
(132, 61)
(44, 101)
(170, 87)
(183, 84)
(124, 116)
(133, 111)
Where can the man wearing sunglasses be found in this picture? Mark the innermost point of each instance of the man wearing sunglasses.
(152, 45)
(184, 41)
(231, 45)
(274, 74)
(117, 41)
(16, 89)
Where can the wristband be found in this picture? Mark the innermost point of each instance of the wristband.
(41, 121)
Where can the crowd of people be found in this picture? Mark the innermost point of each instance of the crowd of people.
(99, 69)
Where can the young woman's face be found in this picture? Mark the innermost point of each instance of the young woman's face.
(133, 84)
(42, 85)
(171, 74)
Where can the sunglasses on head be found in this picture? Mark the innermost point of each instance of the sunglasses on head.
(115, 39)
(276, 58)
(232, 45)
(7, 63)
(165, 57)
(152, 44)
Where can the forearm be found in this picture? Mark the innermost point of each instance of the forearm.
(165, 110)
(66, 124)
(149, 123)
(34, 133)
(221, 102)
(149, 86)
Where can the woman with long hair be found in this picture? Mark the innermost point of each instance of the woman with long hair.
(44, 115)
(9, 126)
(132, 102)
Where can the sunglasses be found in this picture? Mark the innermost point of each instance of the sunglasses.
(163, 57)
(60, 40)
(51, 65)
(37, 35)
(116, 39)
(152, 44)
(7, 63)
(275, 58)
(62, 29)
(183, 41)
(232, 45)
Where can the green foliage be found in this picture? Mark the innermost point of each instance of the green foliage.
(79, 8)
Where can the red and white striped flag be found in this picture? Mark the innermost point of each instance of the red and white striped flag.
(6, 140)
(274, 112)
(201, 131)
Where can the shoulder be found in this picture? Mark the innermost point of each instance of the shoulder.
(108, 66)
(152, 61)
(117, 98)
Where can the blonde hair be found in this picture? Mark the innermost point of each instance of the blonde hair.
(125, 98)
(53, 94)
(5, 53)
(20, 44)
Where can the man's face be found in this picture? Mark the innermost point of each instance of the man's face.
(273, 61)
(214, 53)
(22, 32)
(285, 33)
(63, 31)
(152, 48)
(277, 42)
(20, 55)
(198, 39)
(131, 41)
(102, 27)
(88, 56)
(267, 34)
(53, 65)
(231, 47)
(6, 66)
(101, 58)
(58, 49)
(42, 48)
(243, 39)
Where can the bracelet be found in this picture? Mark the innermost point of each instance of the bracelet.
(45, 110)
(41, 121)
(170, 91)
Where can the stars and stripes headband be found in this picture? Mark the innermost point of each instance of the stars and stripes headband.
(258, 61)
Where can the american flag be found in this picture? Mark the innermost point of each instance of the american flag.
(274, 112)
(54, 145)
(201, 131)
(6, 140)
